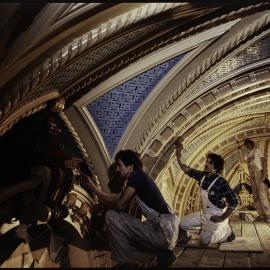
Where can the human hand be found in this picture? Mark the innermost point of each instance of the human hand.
(178, 147)
(216, 219)
(178, 143)
(87, 182)
(178, 153)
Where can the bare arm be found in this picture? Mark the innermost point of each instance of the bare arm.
(112, 200)
(221, 218)
(178, 148)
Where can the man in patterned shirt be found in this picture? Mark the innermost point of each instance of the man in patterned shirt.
(218, 202)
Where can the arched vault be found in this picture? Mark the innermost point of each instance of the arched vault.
(135, 75)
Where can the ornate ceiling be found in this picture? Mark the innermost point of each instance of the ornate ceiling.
(134, 75)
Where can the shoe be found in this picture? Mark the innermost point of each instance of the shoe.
(166, 258)
(183, 237)
(183, 240)
(231, 237)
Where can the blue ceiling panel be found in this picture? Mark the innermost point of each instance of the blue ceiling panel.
(113, 111)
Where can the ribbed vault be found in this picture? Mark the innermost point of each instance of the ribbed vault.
(215, 94)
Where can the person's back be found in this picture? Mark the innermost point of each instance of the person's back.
(148, 191)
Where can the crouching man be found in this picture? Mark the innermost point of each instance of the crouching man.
(217, 199)
(134, 242)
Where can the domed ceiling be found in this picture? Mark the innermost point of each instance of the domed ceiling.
(135, 75)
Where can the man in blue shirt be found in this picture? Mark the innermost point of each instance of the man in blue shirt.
(217, 198)
(131, 239)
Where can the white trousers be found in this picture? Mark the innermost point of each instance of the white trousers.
(130, 239)
(211, 233)
(260, 193)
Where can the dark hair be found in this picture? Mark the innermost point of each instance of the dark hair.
(218, 161)
(129, 157)
(248, 141)
(116, 181)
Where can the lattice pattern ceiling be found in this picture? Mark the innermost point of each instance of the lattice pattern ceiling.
(113, 111)
(254, 53)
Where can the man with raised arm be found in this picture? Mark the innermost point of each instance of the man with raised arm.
(217, 199)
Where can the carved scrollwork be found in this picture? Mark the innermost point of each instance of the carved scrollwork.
(79, 207)
(49, 68)
(34, 104)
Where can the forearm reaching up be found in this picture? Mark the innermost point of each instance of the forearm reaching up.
(178, 148)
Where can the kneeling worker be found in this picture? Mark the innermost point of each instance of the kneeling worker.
(134, 241)
(217, 198)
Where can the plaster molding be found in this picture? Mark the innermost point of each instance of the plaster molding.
(237, 129)
(206, 112)
(196, 141)
(99, 160)
(34, 104)
(145, 63)
(77, 139)
(155, 58)
(242, 31)
(101, 31)
(95, 131)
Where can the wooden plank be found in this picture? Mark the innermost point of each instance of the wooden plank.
(235, 260)
(177, 251)
(37, 255)
(234, 217)
(100, 258)
(262, 228)
(241, 244)
(21, 257)
(195, 241)
(78, 257)
(248, 230)
(45, 261)
(263, 232)
(189, 258)
(103, 259)
(259, 260)
(237, 227)
(212, 258)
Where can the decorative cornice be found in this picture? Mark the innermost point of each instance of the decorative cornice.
(79, 144)
(76, 138)
(236, 113)
(16, 94)
(169, 35)
(34, 104)
(78, 47)
(104, 30)
(243, 35)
